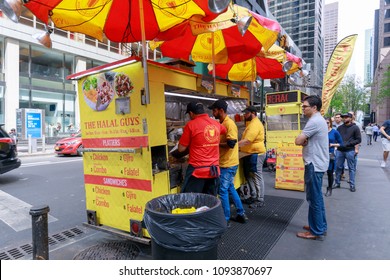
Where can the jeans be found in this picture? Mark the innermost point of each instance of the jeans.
(351, 161)
(317, 218)
(226, 188)
(369, 139)
(253, 171)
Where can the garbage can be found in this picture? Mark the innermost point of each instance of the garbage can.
(185, 236)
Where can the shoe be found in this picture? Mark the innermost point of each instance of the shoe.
(257, 204)
(308, 235)
(383, 164)
(228, 224)
(352, 189)
(308, 229)
(241, 219)
(328, 192)
(336, 186)
(249, 200)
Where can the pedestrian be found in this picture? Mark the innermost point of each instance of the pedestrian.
(337, 121)
(369, 130)
(252, 144)
(315, 153)
(12, 134)
(335, 141)
(385, 134)
(375, 131)
(201, 137)
(228, 162)
(57, 129)
(350, 133)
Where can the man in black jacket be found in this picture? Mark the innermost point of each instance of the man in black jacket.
(350, 133)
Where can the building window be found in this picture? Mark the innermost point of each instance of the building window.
(387, 14)
(387, 27)
(43, 84)
(386, 42)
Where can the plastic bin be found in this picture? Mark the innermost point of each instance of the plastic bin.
(185, 236)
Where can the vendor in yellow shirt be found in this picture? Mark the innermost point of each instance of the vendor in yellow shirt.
(252, 143)
(228, 162)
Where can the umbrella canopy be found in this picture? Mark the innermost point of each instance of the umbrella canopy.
(267, 65)
(222, 37)
(119, 20)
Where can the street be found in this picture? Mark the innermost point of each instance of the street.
(41, 180)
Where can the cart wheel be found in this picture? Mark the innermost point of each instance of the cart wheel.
(80, 150)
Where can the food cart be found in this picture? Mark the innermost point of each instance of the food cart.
(128, 133)
(284, 122)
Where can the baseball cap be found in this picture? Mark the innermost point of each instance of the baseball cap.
(195, 107)
(250, 109)
(219, 104)
(346, 115)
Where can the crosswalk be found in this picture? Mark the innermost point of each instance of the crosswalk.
(15, 212)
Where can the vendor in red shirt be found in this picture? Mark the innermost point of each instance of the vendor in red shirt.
(201, 137)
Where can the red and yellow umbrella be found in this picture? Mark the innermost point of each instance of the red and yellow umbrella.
(267, 65)
(220, 40)
(119, 20)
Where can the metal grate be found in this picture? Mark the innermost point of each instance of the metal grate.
(264, 228)
(27, 249)
(113, 250)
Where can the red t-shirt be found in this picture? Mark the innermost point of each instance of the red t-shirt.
(201, 135)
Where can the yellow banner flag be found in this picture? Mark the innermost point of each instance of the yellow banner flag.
(337, 66)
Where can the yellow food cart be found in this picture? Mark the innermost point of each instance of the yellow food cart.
(284, 122)
(127, 134)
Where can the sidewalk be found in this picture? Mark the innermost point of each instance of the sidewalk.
(358, 223)
(23, 150)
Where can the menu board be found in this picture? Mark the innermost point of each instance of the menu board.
(289, 169)
(117, 161)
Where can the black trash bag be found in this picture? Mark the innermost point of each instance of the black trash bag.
(191, 232)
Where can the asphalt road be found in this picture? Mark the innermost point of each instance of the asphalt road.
(41, 180)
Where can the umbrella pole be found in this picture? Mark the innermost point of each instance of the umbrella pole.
(213, 62)
(252, 83)
(145, 96)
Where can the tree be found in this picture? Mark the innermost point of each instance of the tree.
(384, 88)
(350, 96)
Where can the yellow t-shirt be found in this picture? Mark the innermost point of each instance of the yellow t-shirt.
(254, 132)
(229, 157)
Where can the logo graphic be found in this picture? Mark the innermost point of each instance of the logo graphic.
(206, 41)
(211, 133)
(90, 8)
(173, 8)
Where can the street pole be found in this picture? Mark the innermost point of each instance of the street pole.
(261, 99)
(40, 237)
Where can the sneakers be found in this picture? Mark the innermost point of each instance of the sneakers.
(336, 186)
(383, 164)
(352, 189)
(241, 219)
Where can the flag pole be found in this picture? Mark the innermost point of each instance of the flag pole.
(213, 62)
